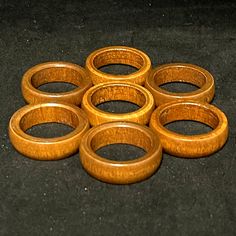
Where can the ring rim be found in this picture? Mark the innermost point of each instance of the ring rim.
(34, 95)
(19, 138)
(121, 170)
(214, 139)
(141, 115)
(99, 76)
(204, 93)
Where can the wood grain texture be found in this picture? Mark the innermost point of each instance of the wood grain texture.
(118, 91)
(120, 172)
(55, 72)
(47, 148)
(190, 146)
(118, 55)
(180, 72)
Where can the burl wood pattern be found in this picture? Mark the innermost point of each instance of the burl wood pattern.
(180, 72)
(195, 145)
(120, 172)
(55, 72)
(118, 91)
(47, 148)
(118, 55)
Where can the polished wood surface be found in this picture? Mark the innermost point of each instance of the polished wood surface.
(120, 172)
(47, 148)
(180, 72)
(50, 72)
(125, 91)
(118, 55)
(190, 146)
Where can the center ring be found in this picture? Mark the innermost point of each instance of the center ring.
(118, 91)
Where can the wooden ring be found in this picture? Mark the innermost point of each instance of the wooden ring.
(55, 72)
(190, 146)
(120, 172)
(118, 91)
(118, 55)
(47, 148)
(180, 72)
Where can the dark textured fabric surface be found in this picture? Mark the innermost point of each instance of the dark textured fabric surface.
(184, 197)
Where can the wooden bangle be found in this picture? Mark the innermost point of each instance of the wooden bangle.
(118, 91)
(120, 172)
(194, 145)
(55, 72)
(179, 72)
(47, 148)
(118, 55)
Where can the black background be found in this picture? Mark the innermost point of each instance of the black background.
(184, 197)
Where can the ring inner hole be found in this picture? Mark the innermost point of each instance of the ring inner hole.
(179, 87)
(118, 57)
(118, 107)
(120, 152)
(49, 121)
(188, 127)
(179, 79)
(118, 69)
(121, 135)
(57, 79)
(130, 99)
(189, 112)
(49, 130)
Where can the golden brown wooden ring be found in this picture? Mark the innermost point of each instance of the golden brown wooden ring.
(55, 72)
(47, 148)
(118, 91)
(195, 145)
(118, 55)
(180, 72)
(120, 172)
